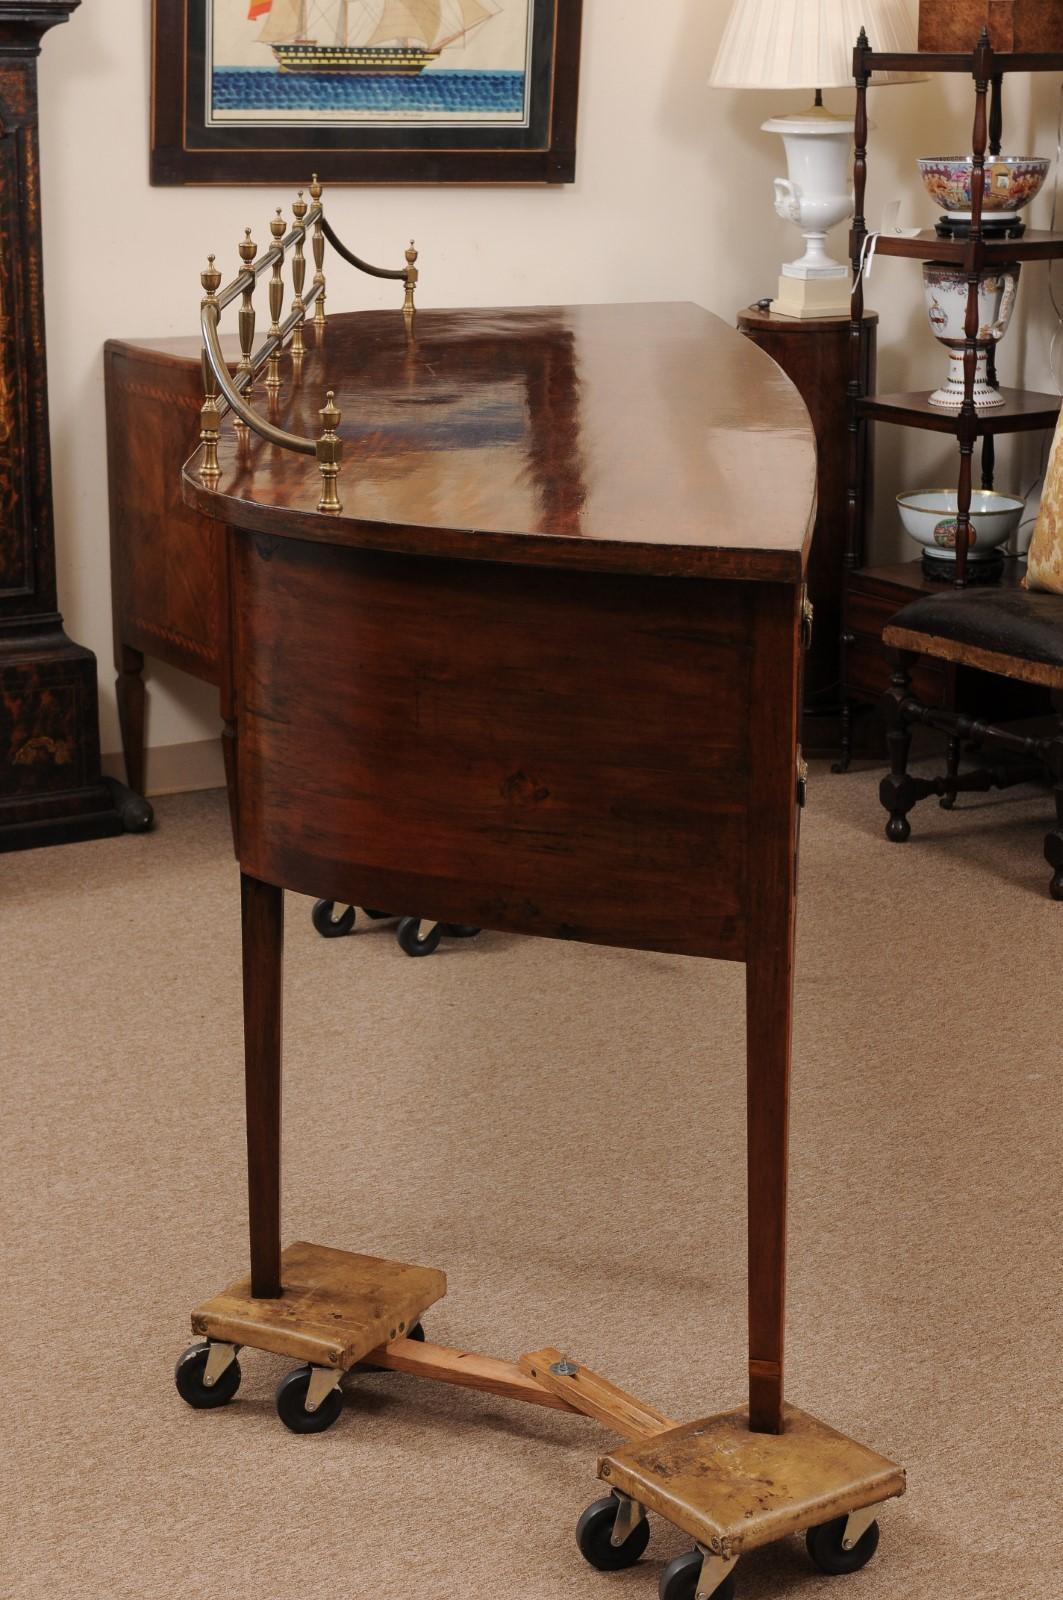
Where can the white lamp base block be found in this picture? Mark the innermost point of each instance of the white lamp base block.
(812, 297)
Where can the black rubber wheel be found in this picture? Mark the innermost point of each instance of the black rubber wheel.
(593, 1532)
(825, 1547)
(291, 1404)
(377, 916)
(460, 930)
(188, 1376)
(410, 939)
(679, 1580)
(136, 813)
(328, 926)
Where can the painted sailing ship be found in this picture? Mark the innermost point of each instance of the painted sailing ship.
(397, 37)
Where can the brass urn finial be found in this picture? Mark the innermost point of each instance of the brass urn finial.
(412, 275)
(210, 278)
(329, 451)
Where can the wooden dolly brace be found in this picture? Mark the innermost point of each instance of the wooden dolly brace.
(562, 700)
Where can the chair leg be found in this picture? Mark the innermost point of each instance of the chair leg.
(1054, 840)
(952, 768)
(897, 790)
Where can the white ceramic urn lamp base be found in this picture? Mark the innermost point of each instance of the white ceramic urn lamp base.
(816, 195)
(792, 45)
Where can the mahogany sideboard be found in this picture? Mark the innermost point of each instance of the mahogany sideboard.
(168, 581)
(563, 588)
(814, 353)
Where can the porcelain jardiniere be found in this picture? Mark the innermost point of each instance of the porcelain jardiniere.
(945, 288)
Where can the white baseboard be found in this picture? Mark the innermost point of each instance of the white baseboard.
(176, 768)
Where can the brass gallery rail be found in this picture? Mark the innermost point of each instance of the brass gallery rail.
(225, 391)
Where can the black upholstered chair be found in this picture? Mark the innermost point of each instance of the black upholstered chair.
(1015, 633)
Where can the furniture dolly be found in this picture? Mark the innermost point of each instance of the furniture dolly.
(562, 581)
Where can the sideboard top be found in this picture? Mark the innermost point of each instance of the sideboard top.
(629, 438)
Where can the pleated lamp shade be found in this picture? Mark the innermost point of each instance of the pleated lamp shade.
(808, 44)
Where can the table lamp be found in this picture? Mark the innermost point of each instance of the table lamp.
(808, 44)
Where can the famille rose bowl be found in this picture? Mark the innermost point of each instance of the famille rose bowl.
(929, 517)
(1010, 183)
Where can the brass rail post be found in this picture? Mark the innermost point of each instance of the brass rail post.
(318, 243)
(246, 317)
(329, 452)
(412, 275)
(299, 210)
(276, 303)
(210, 416)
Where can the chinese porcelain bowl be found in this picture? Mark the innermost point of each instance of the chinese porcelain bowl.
(1010, 183)
(929, 517)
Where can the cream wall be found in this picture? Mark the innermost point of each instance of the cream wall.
(672, 201)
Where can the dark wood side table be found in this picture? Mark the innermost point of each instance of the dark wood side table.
(814, 353)
(562, 593)
(51, 787)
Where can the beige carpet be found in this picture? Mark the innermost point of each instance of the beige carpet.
(560, 1128)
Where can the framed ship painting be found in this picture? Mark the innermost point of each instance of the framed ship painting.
(365, 91)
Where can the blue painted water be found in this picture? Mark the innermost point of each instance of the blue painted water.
(434, 93)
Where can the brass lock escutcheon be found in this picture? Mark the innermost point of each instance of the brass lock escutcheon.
(806, 620)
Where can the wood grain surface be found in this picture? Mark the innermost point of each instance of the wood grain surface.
(466, 1370)
(645, 439)
(336, 1306)
(564, 754)
(732, 1489)
(595, 1396)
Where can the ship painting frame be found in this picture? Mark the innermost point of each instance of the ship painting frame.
(532, 141)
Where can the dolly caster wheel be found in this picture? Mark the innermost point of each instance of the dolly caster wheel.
(377, 916)
(189, 1375)
(1055, 888)
(137, 814)
(679, 1580)
(460, 930)
(594, 1537)
(829, 1553)
(409, 937)
(328, 925)
(292, 1393)
(898, 828)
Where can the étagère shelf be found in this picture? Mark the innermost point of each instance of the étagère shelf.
(1023, 411)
